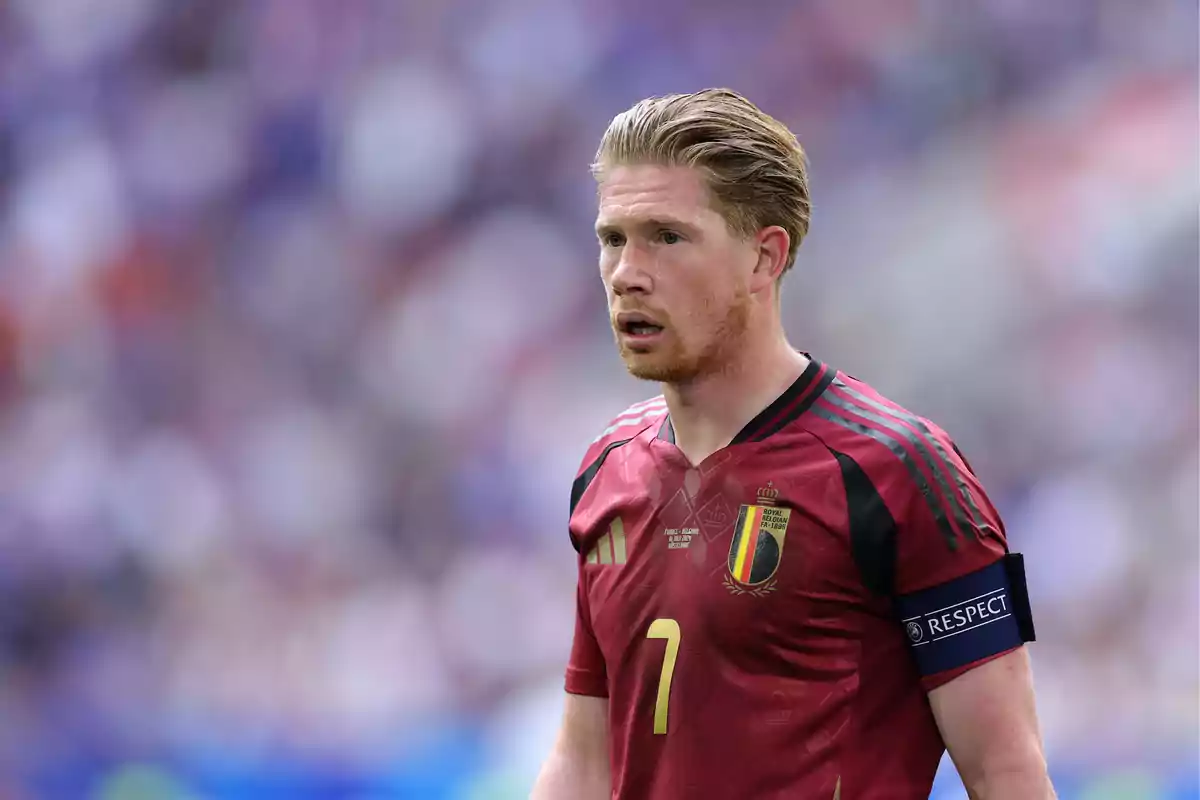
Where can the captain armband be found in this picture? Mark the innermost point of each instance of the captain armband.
(969, 618)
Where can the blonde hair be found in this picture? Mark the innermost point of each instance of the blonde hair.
(755, 168)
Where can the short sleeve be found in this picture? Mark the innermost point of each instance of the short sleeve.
(956, 591)
(586, 673)
(948, 532)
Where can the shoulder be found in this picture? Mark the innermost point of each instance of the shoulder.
(621, 430)
(887, 452)
(631, 421)
(862, 425)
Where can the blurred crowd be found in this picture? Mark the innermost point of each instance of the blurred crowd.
(302, 339)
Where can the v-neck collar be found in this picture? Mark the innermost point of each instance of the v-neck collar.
(786, 408)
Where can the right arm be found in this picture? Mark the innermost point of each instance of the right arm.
(577, 768)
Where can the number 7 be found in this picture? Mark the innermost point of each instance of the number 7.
(664, 629)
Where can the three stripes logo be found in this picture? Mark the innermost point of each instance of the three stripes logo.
(609, 548)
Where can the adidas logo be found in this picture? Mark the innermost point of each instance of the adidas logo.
(610, 548)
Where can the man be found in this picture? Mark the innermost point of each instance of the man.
(789, 586)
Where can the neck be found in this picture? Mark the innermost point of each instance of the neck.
(707, 412)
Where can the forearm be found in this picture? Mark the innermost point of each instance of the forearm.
(1012, 784)
(566, 778)
(988, 720)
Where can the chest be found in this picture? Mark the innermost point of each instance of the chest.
(752, 552)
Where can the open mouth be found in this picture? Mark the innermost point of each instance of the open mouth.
(633, 324)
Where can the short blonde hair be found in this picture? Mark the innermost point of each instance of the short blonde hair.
(755, 168)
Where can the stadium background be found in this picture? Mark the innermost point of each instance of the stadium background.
(301, 339)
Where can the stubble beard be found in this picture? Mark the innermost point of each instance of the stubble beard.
(672, 363)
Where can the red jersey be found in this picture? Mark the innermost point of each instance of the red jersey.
(767, 624)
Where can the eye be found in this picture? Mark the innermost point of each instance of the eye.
(612, 239)
(669, 237)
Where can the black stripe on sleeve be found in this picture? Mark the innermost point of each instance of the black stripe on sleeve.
(963, 458)
(588, 475)
(939, 468)
(872, 528)
(903, 436)
(896, 446)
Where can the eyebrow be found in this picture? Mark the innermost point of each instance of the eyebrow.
(653, 222)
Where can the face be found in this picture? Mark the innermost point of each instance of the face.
(679, 281)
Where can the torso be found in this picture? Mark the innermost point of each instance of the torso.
(767, 696)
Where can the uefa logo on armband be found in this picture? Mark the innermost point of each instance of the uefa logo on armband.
(915, 632)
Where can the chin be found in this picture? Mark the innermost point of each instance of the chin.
(654, 367)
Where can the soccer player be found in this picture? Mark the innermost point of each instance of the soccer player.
(789, 586)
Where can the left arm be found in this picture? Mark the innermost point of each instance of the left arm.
(989, 722)
(963, 600)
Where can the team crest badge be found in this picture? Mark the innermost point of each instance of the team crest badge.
(757, 545)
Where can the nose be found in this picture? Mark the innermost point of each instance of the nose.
(631, 275)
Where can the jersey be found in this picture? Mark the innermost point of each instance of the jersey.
(768, 623)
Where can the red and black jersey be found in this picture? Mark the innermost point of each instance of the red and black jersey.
(767, 624)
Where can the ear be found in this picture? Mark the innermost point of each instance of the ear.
(772, 244)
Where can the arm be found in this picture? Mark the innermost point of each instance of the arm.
(577, 768)
(989, 723)
(965, 606)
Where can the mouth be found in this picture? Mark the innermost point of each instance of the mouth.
(637, 325)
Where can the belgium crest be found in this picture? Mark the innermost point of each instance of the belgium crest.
(757, 544)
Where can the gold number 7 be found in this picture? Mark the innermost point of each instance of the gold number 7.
(664, 629)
